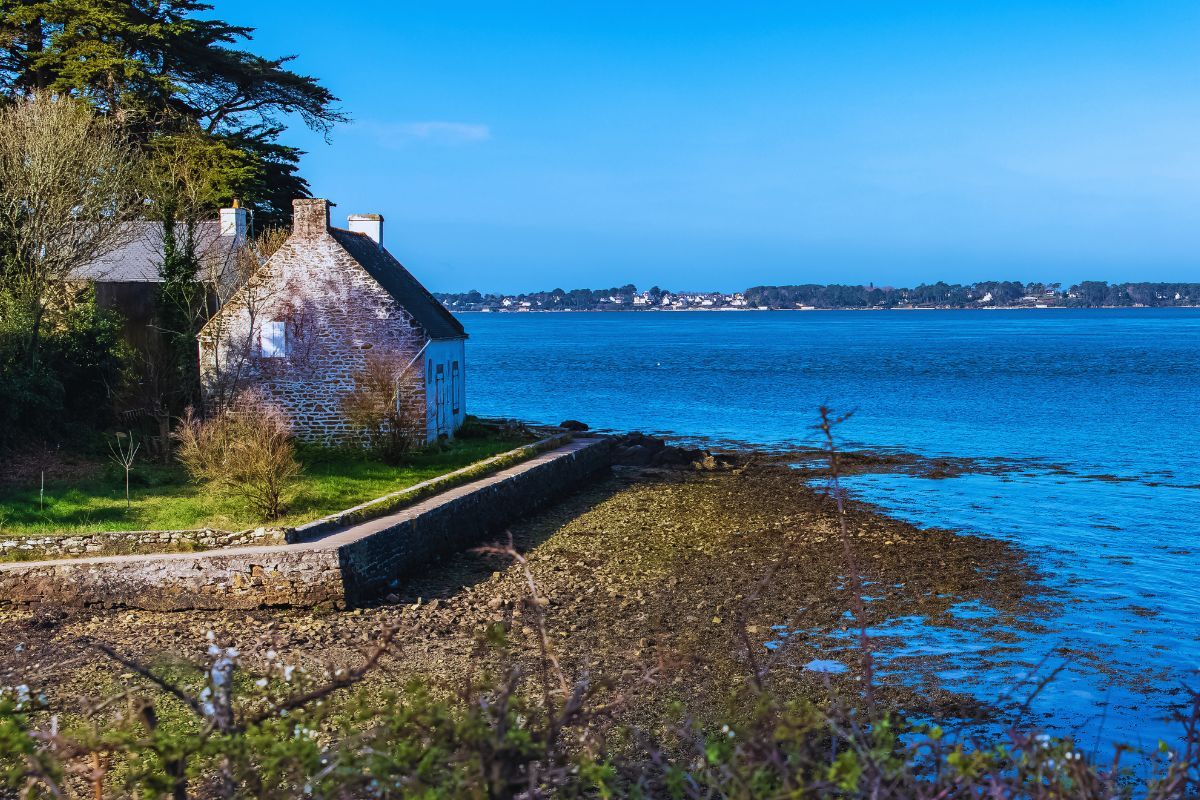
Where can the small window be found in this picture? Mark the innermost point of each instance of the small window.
(272, 339)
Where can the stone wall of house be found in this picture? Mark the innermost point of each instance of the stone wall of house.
(336, 318)
(27, 548)
(345, 568)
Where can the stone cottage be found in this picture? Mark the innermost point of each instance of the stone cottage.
(331, 312)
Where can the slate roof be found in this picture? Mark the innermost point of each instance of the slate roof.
(138, 260)
(400, 284)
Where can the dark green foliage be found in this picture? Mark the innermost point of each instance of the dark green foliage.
(180, 314)
(474, 428)
(276, 179)
(166, 68)
(71, 389)
(29, 397)
(90, 360)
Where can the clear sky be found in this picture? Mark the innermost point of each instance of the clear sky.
(517, 146)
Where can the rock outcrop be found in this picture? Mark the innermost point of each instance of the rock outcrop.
(640, 450)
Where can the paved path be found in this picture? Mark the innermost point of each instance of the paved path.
(362, 530)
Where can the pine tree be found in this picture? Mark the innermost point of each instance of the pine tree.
(159, 66)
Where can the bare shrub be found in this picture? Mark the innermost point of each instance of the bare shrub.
(378, 406)
(246, 450)
(229, 278)
(67, 189)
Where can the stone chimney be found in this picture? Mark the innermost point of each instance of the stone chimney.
(310, 217)
(370, 224)
(235, 221)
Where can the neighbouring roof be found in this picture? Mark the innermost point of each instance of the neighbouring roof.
(400, 284)
(138, 260)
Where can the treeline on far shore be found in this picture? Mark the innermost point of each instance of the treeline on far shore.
(1092, 294)
(983, 294)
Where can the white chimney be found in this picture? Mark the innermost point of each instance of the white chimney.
(370, 224)
(234, 221)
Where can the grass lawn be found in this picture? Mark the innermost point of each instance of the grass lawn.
(162, 497)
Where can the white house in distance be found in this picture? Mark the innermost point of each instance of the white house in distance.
(328, 308)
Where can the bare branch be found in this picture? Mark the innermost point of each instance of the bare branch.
(166, 686)
(349, 678)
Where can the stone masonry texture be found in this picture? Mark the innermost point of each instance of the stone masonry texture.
(333, 313)
(118, 542)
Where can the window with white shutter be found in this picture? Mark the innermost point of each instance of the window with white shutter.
(272, 339)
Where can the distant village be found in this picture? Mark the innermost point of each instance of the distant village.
(985, 294)
(622, 298)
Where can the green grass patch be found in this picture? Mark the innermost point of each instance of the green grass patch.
(162, 497)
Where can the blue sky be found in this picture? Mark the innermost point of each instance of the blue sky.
(518, 146)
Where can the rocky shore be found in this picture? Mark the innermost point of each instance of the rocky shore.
(664, 580)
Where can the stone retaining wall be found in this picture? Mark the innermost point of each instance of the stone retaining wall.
(342, 568)
(383, 552)
(241, 578)
(388, 503)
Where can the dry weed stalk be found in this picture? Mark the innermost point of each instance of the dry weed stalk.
(828, 422)
(123, 451)
(567, 706)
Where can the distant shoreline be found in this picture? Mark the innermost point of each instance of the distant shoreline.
(805, 310)
(837, 297)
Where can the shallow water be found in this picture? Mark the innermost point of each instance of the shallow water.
(1094, 416)
(1125, 636)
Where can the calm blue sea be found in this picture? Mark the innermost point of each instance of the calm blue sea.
(1094, 413)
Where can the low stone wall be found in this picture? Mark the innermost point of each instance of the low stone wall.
(111, 543)
(26, 548)
(240, 578)
(380, 554)
(341, 568)
(389, 503)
